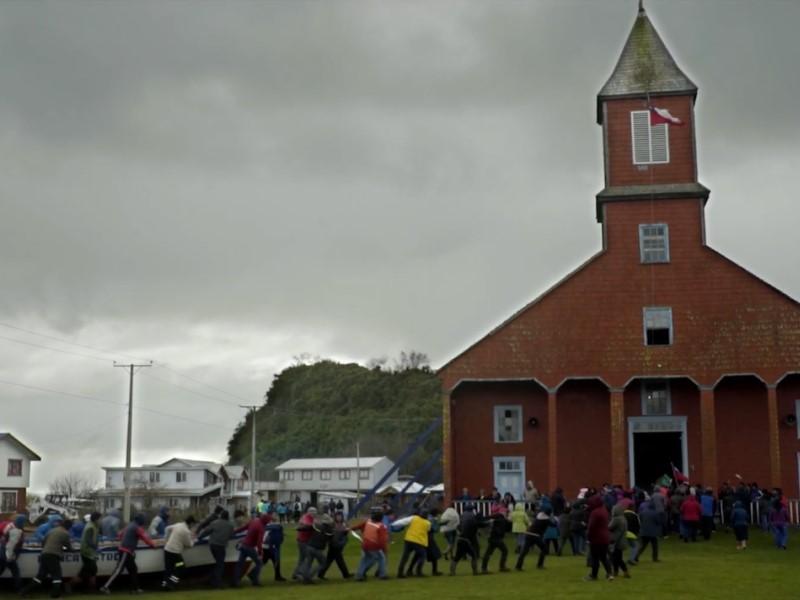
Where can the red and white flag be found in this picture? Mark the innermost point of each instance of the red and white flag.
(662, 115)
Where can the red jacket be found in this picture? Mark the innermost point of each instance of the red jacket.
(691, 509)
(376, 536)
(597, 528)
(303, 535)
(254, 535)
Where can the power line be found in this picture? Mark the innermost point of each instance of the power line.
(50, 348)
(63, 341)
(104, 401)
(195, 392)
(109, 352)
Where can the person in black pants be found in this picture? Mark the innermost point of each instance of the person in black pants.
(497, 532)
(467, 540)
(535, 537)
(336, 547)
(598, 536)
(649, 531)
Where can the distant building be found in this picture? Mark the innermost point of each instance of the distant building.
(308, 478)
(178, 483)
(15, 473)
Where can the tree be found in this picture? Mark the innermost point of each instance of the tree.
(412, 360)
(73, 485)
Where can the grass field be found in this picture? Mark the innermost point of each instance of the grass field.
(704, 570)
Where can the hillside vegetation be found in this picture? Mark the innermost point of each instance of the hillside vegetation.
(323, 409)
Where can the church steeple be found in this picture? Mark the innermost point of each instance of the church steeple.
(644, 67)
(646, 109)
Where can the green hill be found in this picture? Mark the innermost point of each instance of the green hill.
(323, 409)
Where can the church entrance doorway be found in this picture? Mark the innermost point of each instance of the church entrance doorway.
(654, 444)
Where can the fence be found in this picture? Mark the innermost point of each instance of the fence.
(484, 508)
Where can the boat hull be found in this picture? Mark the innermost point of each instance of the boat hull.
(148, 560)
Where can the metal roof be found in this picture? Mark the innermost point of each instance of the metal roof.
(330, 463)
(644, 67)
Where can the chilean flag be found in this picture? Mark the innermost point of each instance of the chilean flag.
(662, 115)
(677, 475)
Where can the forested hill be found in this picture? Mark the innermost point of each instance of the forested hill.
(323, 409)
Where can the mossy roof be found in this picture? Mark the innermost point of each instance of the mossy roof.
(645, 66)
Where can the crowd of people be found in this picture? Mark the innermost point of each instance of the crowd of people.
(600, 524)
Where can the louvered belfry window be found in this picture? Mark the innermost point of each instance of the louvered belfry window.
(650, 142)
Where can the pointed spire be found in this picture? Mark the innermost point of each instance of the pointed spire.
(645, 66)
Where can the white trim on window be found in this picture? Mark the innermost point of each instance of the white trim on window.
(654, 243)
(325, 474)
(507, 418)
(656, 385)
(7, 505)
(657, 315)
(649, 143)
(306, 475)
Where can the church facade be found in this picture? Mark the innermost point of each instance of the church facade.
(658, 350)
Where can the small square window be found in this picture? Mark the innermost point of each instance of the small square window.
(656, 398)
(14, 467)
(325, 474)
(654, 243)
(289, 475)
(306, 475)
(658, 326)
(507, 424)
(180, 477)
(155, 477)
(344, 474)
(363, 473)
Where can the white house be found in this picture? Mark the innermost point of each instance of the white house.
(308, 478)
(178, 483)
(15, 473)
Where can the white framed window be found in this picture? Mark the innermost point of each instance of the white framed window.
(325, 474)
(155, 477)
(658, 326)
(363, 473)
(14, 467)
(654, 243)
(344, 474)
(656, 398)
(507, 424)
(180, 477)
(650, 143)
(289, 475)
(174, 502)
(8, 502)
(306, 474)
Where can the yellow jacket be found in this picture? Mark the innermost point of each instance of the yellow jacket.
(417, 531)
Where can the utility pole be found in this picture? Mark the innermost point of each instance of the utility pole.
(358, 472)
(126, 504)
(251, 499)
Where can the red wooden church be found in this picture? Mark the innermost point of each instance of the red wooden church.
(656, 350)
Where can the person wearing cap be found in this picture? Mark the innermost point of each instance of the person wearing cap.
(12, 536)
(131, 536)
(88, 573)
(374, 544)
(250, 547)
(219, 532)
(304, 531)
(497, 533)
(415, 542)
(55, 544)
(177, 539)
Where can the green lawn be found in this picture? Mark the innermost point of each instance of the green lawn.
(704, 570)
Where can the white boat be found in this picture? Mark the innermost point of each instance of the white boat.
(149, 560)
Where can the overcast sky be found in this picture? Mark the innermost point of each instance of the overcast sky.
(220, 186)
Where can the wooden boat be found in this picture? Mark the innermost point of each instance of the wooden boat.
(149, 560)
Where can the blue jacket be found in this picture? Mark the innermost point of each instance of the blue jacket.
(739, 516)
(707, 505)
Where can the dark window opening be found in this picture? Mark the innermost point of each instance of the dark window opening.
(658, 337)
